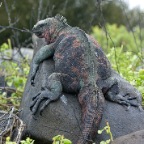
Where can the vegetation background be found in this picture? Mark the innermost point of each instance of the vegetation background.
(119, 30)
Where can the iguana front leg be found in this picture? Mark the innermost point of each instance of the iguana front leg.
(49, 93)
(42, 54)
(52, 90)
(92, 102)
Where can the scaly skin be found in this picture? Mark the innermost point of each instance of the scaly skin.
(81, 67)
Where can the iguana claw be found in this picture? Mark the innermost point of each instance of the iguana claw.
(32, 83)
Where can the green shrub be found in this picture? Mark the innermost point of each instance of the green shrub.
(27, 141)
(60, 139)
(129, 66)
(108, 132)
(120, 36)
(15, 74)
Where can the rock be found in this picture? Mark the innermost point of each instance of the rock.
(64, 116)
(25, 53)
(121, 121)
(132, 138)
(58, 118)
(17, 54)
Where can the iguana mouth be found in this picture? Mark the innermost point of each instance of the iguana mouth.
(39, 34)
(36, 32)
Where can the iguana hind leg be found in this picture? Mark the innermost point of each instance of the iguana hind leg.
(114, 95)
(92, 102)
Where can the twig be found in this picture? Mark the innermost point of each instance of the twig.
(46, 9)
(107, 34)
(9, 89)
(3, 28)
(8, 59)
(0, 4)
(8, 12)
(20, 130)
(39, 9)
(9, 122)
(129, 25)
(14, 28)
(140, 37)
(133, 34)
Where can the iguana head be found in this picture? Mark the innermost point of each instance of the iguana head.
(49, 27)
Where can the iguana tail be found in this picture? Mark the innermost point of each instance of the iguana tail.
(92, 102)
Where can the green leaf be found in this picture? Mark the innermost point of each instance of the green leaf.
(100, 131)
(67, 141)
(108, 141)
(103, 142)
(56, 138)
(9, 83)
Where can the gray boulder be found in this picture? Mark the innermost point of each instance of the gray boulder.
(64, 116)
(132, 138)
(121, 120)
(60, 117)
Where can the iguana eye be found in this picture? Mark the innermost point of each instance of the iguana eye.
(41, 25)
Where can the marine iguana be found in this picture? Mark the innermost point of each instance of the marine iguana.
(81, 67)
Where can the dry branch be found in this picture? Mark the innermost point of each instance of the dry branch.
(10, 124)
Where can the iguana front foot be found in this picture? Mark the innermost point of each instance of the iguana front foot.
(33, 74)
(44, 94)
